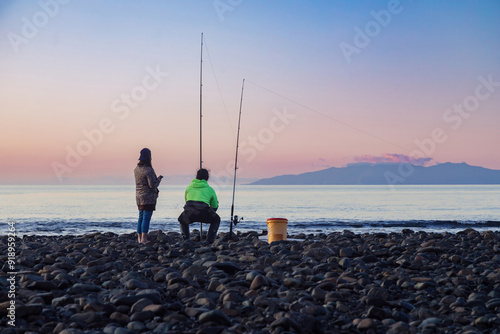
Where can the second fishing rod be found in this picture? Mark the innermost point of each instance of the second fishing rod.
(234, 218)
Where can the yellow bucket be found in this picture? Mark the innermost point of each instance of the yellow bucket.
(276, 229)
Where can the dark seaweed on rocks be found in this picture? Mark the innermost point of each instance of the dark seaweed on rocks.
(408, 282)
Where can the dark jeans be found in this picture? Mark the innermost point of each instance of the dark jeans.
(143, 222)
(199, 212)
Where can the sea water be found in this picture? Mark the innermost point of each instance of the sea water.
(65, 209)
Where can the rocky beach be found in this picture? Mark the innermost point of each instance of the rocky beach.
(341, 282)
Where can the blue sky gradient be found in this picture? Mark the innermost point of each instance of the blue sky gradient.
(383, 99)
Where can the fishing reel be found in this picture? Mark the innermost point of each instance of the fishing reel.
(236, 220)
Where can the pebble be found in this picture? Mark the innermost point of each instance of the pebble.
(86, 317)
(258, 282)
(366, 323)
(216, 316)
(136, 326)
(133, 284)
(119, 317)
(121, 330)
(140, 305)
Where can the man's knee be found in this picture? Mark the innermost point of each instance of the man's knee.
(184, 218)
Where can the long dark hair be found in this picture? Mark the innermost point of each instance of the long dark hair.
(144, 163)
(145, 158)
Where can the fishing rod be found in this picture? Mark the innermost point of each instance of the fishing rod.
(201, 102)
(201, 117)
(234, 219)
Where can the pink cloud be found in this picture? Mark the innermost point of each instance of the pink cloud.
(391, 158)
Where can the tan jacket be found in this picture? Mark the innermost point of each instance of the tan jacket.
(146, 185)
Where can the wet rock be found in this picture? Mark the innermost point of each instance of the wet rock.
(133, 284)
(318, 294)
(205, 302)
(142, 316)
(132, 299)
(377, 313)
(370, 258)
(109, 285)
(318, 253)
(62, 301)
(193, 270)
(71, 331)
(287, 324)
(121, 330)
(292, 282)
(228, 267)
(42, 285)
(216, 316)
(81, 288)
(163, 328)
(136, 326)
(262, 301)
(120, 317)
(195, 312)
(346, 252)
(29, 309)
(345, 263)
(366, 323)
(85, 317)
(430, 323)
(258, 282)
(156, 309)
(399, 328)
(425, 285)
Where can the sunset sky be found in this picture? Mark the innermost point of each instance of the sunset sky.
(85, 85)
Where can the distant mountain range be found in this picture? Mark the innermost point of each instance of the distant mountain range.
(390, 173)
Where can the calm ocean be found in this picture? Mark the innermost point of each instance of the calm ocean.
(52, 210)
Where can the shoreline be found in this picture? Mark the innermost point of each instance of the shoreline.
(340, 282)
(293, 228)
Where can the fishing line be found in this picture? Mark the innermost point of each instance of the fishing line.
(328, 116)
(218, 87)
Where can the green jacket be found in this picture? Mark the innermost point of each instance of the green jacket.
(200, 191)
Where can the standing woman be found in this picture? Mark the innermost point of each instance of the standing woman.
(146, 193)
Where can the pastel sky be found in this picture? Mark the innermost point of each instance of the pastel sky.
(85, 85)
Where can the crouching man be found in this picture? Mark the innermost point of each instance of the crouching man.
(201, 206)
